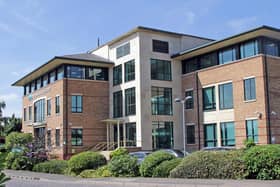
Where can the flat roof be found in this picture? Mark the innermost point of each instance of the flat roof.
(211, 46)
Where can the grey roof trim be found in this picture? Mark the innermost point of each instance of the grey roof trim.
(86, 57)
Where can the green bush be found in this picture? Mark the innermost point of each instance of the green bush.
(249, 143)
(211, 164)
(22, 163)
(152, 161)
(52, 166)
(86, 160)
(124, 166)
(11, 158)
(3, 179)
(100, 172)
(118, 152)
(16, 139)
(263, 162)
(165, 167)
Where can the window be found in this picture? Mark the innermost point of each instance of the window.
(117, 104)
(49, 107)
(77, 103)
(57, 105)
(162, 135)
(225, 96)
(189, 102)
(60, 73)
(129, 68)
(227, 134)
(130, 129)
(123, 50)
(209, 102)
(252, 130)
(49, 138)
(210, 135)
(77, 137)
(160, 70)
(227, 55)
(270, 47)
(117, 75)
(94, 73)
(190, 65)
(76, 72)
(24, 114)
(52, 77)
(249, 89)
(25, 90)
(38, 83)
(160, 46)
(190, 134)
(33, 85)
(30, 113)
(249, 49)
(208, 60)
(57, 137)
(45, 80)
(130, 105)
(161, 101)
(39, 110)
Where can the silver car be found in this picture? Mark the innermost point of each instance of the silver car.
(140, 155)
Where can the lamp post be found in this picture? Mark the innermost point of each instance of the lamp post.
(183, 101)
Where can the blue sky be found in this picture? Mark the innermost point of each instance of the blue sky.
(33, 31)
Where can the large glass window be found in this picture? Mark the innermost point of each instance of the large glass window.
(45, 80)
(77, 72)
(249, 49)
(160, 70)
(57, 105)
(209, 100)
(30, 113)
(33, 86)
(189, 102)
(60, 73)
(162, 135)
(117, 104)
(130, 105)
(123, 50)
(39, 111)
(189, 65)
(161, 101)
(49, 107)
(130, 134)
(77, 103)
(77, 137)
(227, 55)
(94, 73)
(160, 46)
(38, 83)
(117, 75)
(210, 135)
(190, 134)
(57, 137)
(49, 138)
(249, 89)
(129, 70)
(226, 96)
(52, 77)
(208, 60)
(227, 134)
(252, 130)
(270, 47)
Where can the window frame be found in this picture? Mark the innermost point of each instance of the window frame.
(129, 71)
(159, 46)
(155, 104)
(213, 104)
(57, 104)
(254, 136)
(222, 96)
(74, 106)
(76, 136)
(57, 137)
(189, 104)
(214, 141)
(118, 104)
(165, 66)
(252, 92)
(130, 101)
(117, 75)
(190, 139)
(123, 50)
(224, 140)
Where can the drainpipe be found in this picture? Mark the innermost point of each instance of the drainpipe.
(66, 110)
(198, 114)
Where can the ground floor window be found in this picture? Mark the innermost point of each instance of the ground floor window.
(57, 137)
(228, 134)
(49, 138)
(162, 135)
(210, 139)
(77, 137)
(252, 130)
(190, 134)
(130, 134)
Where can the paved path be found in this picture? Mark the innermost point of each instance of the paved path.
(31, 179)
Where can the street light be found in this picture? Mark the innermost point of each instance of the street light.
(183, 101)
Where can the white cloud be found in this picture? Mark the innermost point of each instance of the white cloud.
(241, 24)
(9, 97)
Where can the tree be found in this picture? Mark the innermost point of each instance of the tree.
(12, 124)
(2, 106)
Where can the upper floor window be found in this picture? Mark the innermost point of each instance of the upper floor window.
(117, 104)
(161, 101)
(38, 83)
(190, 134)
(77, 137)
(39, 110)
(249, 89)
(52, 76)
(30, 113)
(208, 60)
(209, 100)
(160, 70)
(252, 130)
(160, 46)
(123, 50)
(94, 73)
(130, 105)
(77, 72)
(57, 105)
(49, 107)
(77, 103)
(60, 73)
(189, 102)
(190, 65)
(270, 47)
(57, 137)
(228, 134)
(24, 114)
(45, 80)
(249, 49)
(225, 96)
(227, 55)
(129, 70)
(117, 75)
(33, 86)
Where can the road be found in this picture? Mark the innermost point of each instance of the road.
(31, 179)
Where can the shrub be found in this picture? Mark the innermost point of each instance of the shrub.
(86, 160)
(16, 139)
(22, 163)
(11, 158)
(211, 164)
(52, 166)
(100, 172)
(263, 162)
(152, 161)
(249, 143)
(124, 166)
(118, 152)
(3, 179)
(165, 167)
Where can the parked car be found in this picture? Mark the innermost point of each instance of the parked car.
(177, 153)
(217, 148)
(140, 155)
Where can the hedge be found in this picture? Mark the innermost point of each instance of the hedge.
(52, 166)
(165, 167)
(118, 152)
(124, 166)
(16, 139)
(100, 172)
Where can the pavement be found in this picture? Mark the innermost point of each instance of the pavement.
(32, 179)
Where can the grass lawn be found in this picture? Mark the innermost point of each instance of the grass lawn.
(2, 159)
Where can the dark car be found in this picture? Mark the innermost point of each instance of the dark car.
(217, 148)
(140, 155)
(177, 153)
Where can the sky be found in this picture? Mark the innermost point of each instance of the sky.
(34, 31)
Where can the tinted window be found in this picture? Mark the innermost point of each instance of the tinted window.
(117, 75)
(189, 65)
(226, 96)
(270, 47)
(160, 46)
(123, 50)
(228, 134)
(161, 101)
(129, 70)
(210, 135)
(208, 60)
(227, 55)
(249, 49)
(209, 100)
(160, 69)
(117, 104)
(76, 72)
(130, 105)
(249, 89)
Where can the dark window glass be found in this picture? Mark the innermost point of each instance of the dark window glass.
(24, 114)
(161, 101)
(77, 103)
(160, 69)
(117, 75)
(30, 113)
(252, 130)
(130, 105)
(60, 73)
(57, 105)
(94, 73)
(38, 83)
(52, 77)
(49, 138)
(249, 49)
(208, 60)
(129, 70)
(190, 134)
(190, 65)
(49, 107)
(123, 50)
(210, 135)
(162, 135)
(160, 46)
(39, 111)
(117, 104)
(77, 137)
(227, 55)
(45, 80)
(189, 102)
(130, 129)
(209, 101)
(76, 72)
(33, 86)
(57, 137)
(225, 96)
(270, 47)
(228, 134)
(249, 89)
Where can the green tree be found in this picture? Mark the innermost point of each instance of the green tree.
(2, 106)
(13, 124)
